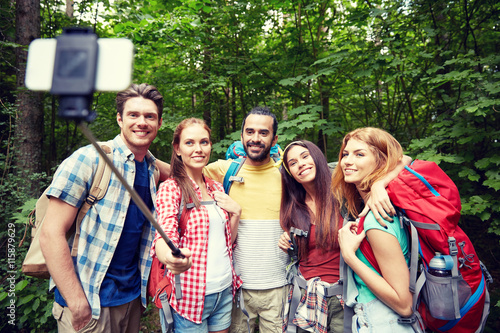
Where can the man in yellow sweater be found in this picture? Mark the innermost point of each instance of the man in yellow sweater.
(257, 258)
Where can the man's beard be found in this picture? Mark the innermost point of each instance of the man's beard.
(259, 157)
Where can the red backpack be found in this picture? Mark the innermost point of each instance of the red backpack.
(429, 204)
(158, 282)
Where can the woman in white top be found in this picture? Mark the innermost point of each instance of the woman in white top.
(208, 280)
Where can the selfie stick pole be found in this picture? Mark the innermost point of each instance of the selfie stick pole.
(135, 196)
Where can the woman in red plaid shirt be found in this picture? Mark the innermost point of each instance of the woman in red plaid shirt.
(208, 280)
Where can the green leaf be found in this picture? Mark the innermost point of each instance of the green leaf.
(484, 163)
(10, 44)
(493, 180)
(21, 285)
(310, 109)
(25, 299)
(291, 81)
(485, 216)
(363, 73)
(36, 304)
(475, 205)
(470, 174)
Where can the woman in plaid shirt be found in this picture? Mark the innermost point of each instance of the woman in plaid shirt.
(208, 280)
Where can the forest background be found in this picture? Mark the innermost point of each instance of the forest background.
(427, 71)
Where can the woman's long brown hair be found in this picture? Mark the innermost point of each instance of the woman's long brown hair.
(295, 213)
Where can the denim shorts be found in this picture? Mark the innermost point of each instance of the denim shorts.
(375, 316)
(216, 314)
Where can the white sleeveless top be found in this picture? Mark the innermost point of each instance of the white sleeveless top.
(219, 276)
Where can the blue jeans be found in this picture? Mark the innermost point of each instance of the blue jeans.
(216, 315)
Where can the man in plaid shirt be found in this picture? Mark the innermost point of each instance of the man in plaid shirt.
(102, 288)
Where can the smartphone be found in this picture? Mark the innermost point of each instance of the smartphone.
(113, 70)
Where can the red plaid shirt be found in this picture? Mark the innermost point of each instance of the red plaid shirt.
(195, 238)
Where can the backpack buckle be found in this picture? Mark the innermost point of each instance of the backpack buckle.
(452, 243)
(407, 321)
(236, 179)
(91, 199)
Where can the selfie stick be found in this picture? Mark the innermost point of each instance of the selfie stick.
(73, 80)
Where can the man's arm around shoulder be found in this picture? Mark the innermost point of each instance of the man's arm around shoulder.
(217, 170)
(58, 220)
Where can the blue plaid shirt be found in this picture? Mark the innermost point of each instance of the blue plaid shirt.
(102, 226)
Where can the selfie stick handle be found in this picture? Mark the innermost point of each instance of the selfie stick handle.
(135, 196)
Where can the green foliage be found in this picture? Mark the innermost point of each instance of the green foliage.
(304, 120)
(426, 71)
(33, 306)
(26, 300)
(30, 302)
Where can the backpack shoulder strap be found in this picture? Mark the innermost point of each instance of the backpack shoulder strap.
(156, 175)
(365, 247)
(97, 191)
(209, 182)
(231, 173)
(182, 217)
(275, 157)
(343, 278)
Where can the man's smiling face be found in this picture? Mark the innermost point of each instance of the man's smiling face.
(257, 138)
(139, 124)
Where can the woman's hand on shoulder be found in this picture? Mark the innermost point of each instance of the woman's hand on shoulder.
(349, 240)
(227, 203)
(284, 242)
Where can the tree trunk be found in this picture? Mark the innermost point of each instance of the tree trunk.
(69, 8)
(325, 103)
(29, 118)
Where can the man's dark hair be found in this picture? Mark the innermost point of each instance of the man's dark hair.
(143, 90)
(262, 111)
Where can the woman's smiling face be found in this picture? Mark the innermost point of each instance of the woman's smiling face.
(301, 164)
(358, 161)
(194, 147)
